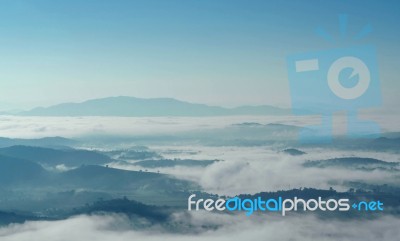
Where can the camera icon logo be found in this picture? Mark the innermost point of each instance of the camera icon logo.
(335, 80)
(359, 68)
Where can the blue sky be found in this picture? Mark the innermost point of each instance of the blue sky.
(222, 52)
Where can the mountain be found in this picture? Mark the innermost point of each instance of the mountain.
(26, 173)
(19, 171)
(44, 142)
(293, 152)
(7, 218)
(105, 178)
(26, 186)
(358, 163)
(53, 157)
(136, 107)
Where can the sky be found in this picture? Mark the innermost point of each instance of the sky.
(224, 52)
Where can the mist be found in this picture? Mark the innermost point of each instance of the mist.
(231, 227)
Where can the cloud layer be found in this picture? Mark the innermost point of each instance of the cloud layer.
(232, 228)
(34, 127)
(257, 169)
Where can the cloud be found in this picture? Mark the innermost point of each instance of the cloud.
(231, 227)
(35, 127)
(256, 169)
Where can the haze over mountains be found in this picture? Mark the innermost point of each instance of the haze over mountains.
(44, 142)
(137, 107)
(53, 157)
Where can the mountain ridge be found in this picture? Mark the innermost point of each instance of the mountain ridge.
(126, 106)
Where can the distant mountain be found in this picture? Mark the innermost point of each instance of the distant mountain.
(358, 163)
(137, 107)
(293, 152)
(53, 157)
(44, 142)
(384, 143)
(30, 175)
(105, 178)
(20, 164)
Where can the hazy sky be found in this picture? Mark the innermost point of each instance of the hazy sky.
(224, 52)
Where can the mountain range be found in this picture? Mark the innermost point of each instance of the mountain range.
(20, 166)
(125, 106)
(52, 157)
(54, 142)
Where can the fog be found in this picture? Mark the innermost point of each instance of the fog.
(232, 228)
(256, 169)
(35, 127)
(242, 170)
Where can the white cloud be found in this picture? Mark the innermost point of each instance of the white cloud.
(232, 228)
(33, 127)
(257, 169)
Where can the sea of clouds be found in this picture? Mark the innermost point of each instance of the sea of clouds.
(257, 169)
(242, 170)
(72, 127)
(231, 227)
